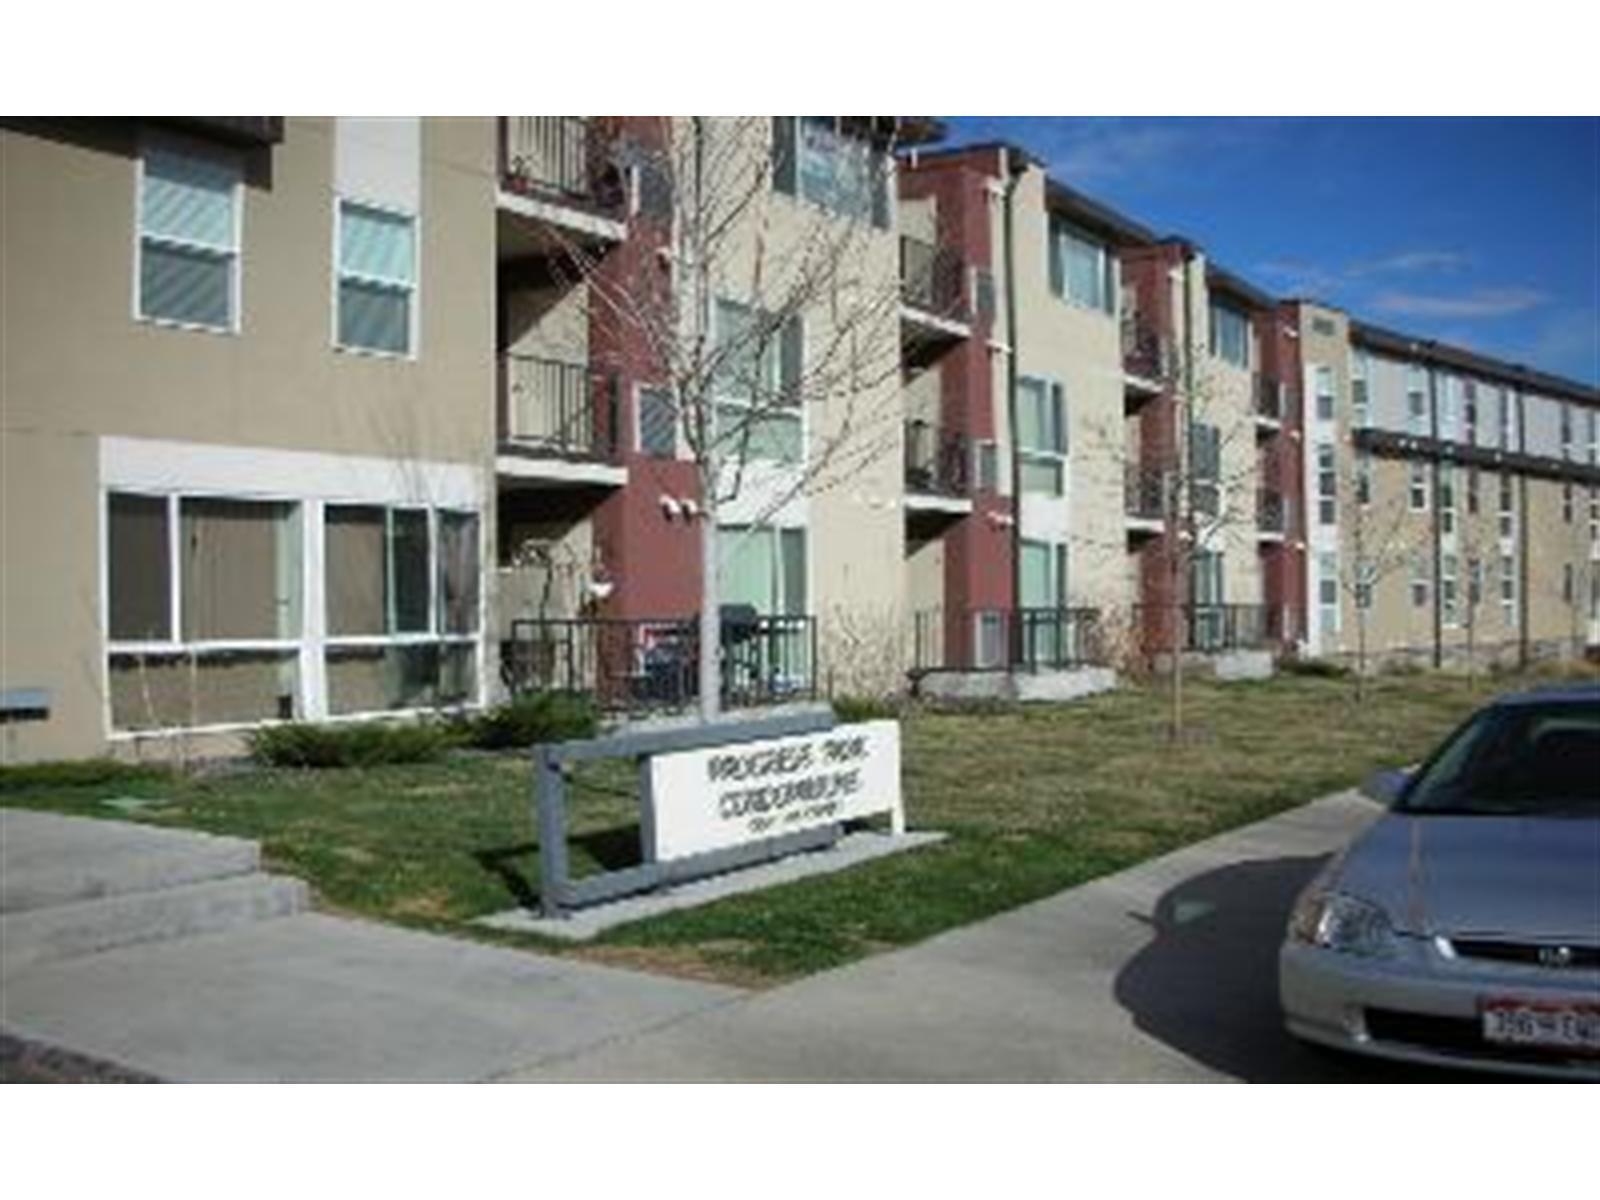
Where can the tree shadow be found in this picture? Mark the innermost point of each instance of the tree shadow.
(517, 866)
(1207, 983)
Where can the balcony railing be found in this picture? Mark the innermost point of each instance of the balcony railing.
(998, 639)
(1270, 397)
(938, 461)
(558, 408)
(1145, 493)
(1272, 511)
(563, 158)
(933, 279)
(1205, 628)
(1145, 352)
(653, 665)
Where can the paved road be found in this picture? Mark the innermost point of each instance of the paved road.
(1163, 972)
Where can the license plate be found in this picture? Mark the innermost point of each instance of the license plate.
(1539, 1023)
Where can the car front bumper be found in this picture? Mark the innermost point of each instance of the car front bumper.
(1423, 1007)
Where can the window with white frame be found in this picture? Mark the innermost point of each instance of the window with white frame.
(1327, 485)
(764, 566)
(757, 384)
(1566, 502)
(1447, 498)
(1328, 593)
(1469, 409)
(377, 280)
(1449, 408)
(1207, 581)
(1508, 587)
(1042, 436)
(1421, 580)
(1205, 467)
(1230, 334)
(1508, 507)
(1364, 478)
(1082, 268)
(1323, 381)
(1566, 429)
(986, 465)
(400, 587)
(1417, 487)
(203, 615)
(818, 159)
(1417, 423)
(1359, 398)
(189, 236)
(1448, 599)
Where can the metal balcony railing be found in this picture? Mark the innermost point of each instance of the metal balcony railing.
(1145, 352)
(938, 460)
(1270, 397)
(559, 408)
(563, 158)
(1145, 493)
(933, 279)
(1272, 511)
(998, 639)
(1205, 628)
(653, 664)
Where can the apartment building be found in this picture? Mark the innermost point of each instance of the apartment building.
(246, 403)
(1455, 499)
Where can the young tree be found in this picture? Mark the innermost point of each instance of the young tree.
(1381, 540)
(768, 318)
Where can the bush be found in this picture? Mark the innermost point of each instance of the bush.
(82, 772)
(866, 708)
(368, 744)
(1314, 668)
(534, 718)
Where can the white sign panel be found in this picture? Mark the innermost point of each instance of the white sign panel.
(722, 796)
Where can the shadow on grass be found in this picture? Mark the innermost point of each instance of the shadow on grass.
(517, 866)
(1207, 984)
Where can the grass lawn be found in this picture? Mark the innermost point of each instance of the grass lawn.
(1035, 799)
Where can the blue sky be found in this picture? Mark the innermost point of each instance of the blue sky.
(1481, 232)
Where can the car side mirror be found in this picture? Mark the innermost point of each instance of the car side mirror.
(1387, 786)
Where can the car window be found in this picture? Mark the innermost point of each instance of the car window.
(1517, 759)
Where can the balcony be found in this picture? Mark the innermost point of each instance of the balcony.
(933, 295)
(1144, 500)
(652, 665)
(1271, 402)
(1146, 357)
(1207, 628)
(557, 182)
(938, 464)
(559, 422)
(1001, 639)
(1272, 514)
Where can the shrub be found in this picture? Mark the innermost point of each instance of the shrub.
(368, 744)
(1314, 668)
(534, 718)
(866, 708)
(82, 772)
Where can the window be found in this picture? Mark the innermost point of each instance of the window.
(1473, 501)
(1365, 577)
(188, 261)
(1206, 594)
(1508, 507)
(1421, 580)
(989, 639)
(1566, 430)
(1044, 574)
(1508, 586)
(1041, 435)
(1205, 467)
(1323, 379)
(658, 423)
(1594, 518)
(203, 599)
(1328, 592)
(1418, 487)
(765, 567)
(377, 279)
(1080, 267)
(1567, 591)
(758, 375)
(1364, 478)
(1230, 335)
(1447, 498)
(1359, 368)
(1447, 589)
(815, 159)
(1474, 584)
(1449, 408)
(401, 594)
(1469, 433)
(1566, 502)
(1593, 418)
(1327, 486)
(1507, 405)
(1417, 403)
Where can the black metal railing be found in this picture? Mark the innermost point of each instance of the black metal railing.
(933, 279)
(1144, 351)
(1272, 511)
(1270, 395)
(938, 460)
(1204, 628)
(559, 408)
(563, 158)
(1144, 493)
(632, 665)
(999, 639)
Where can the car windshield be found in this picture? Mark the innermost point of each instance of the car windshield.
(1516, 759)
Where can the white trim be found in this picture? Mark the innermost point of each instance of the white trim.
(547, 212)
(413, 290)
(234, 255)
(917, 317)
(560, 470)
(924, 502)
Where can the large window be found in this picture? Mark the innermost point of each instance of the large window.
(1447, 589)
(1360, 367)
(758, 374)
(1328, 593)
(1508, 587)
(1323, 379)
(1205, 468)
(1082, 269)
(1041, 436)
(1447, 498)
(816, 159)
(1417, 420)
(377, 283)
(1508, 507)
(188, 264)
(1421, 580)
(764, 567)
(1230, 335)
(1327, 486)
(1206, 592)
(1417, 487)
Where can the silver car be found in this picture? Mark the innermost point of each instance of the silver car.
(1463, 927)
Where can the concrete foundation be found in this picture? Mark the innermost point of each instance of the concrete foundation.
(1024, 686)
(1243, 664)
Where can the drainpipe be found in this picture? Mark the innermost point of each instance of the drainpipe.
(1438, 524)
(1524, 598)
(1014, 169)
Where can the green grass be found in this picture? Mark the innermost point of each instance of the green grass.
(1035, 799)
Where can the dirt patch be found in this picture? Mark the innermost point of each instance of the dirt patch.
(698, 963)
(430, 906)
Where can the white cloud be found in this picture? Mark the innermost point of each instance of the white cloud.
(1479, 302)
(1411, 261)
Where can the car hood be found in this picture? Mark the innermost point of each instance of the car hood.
(1531, 877)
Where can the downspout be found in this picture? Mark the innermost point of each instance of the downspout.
(1438, 523)
(1524, 598)
(1014, 169)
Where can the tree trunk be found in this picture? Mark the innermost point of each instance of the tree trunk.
(710, 665)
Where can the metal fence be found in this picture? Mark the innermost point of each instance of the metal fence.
(1204, 628)
(1144, 493)
(560, 156)
(933, 279)
(1144, 351)
(562, 408)
(938, 460)
(999, 639)
(1272, 511)
(638, 665)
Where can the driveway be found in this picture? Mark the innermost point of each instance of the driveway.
(1165, 972)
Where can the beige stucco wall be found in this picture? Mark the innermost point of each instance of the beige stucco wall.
(77, 365)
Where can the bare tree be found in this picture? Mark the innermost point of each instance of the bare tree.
(767, 322)
(1381, 542)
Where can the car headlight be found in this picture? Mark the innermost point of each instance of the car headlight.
(1344, 923)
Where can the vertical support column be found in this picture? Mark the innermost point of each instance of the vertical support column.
(550, 804)
(313, 612)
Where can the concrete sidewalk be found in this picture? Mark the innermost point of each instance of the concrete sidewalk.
(1165, 972)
